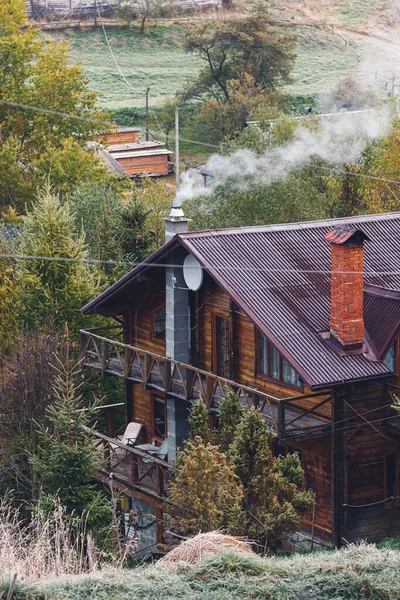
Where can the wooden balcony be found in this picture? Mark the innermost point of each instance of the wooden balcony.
(130, 469)
(290, 418)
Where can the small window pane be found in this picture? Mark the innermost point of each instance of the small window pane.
(262, 355)
(289, 375)
(390, 358)
(159, 323)
(273, 362)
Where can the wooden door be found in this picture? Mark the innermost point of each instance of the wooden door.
(221, 340)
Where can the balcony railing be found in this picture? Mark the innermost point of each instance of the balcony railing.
(289, 417)
(131, 469)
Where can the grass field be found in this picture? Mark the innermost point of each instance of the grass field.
(356, 573)
(154, 60)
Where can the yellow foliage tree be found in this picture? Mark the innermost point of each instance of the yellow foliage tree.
(206, 491)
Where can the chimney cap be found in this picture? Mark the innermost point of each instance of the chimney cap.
(176, 214)
(345, 234)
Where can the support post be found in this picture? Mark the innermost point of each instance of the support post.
(281, 420)
(147, 114)
(177, 174)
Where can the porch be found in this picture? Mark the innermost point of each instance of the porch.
(290, 418)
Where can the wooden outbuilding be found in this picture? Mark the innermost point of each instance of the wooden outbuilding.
(302, 321)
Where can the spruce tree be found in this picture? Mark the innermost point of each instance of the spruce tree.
(273, 497)
(57, 288)
(231, 412)
(67, 461)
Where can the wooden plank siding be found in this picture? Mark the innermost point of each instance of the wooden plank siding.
(122, 137)
(316, 462)
(367, 446)
(156, 164)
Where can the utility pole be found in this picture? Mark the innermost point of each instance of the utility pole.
(177, 147)
(393, 84)
(147, 114)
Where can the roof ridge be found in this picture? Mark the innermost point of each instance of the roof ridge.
(292, 226)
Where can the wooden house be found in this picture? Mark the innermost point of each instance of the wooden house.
(301, 320)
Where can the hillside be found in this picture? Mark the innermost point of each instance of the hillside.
(358, 572)
(157, 59)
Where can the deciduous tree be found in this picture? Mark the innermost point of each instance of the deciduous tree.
(234, 47)
(34, 145)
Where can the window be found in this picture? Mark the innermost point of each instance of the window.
(221, 347)
(160, 428)
(271, 364)
(390, 358)
(158, 324)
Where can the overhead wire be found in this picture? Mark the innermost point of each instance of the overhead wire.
(216, 268)
(111, 50)
(105, 124)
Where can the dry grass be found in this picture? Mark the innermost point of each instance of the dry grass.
(193, 550)
(45, 547)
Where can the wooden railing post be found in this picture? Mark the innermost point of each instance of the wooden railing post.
(107, 455)
(160, 480)
(147, 368)
(128, 359)
(281, 419)
(134, 468)
(104, 355)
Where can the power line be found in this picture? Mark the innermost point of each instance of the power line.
(210, 267)
(366, 420)
(57, 113)
(89, 120)
(336, 169)
(111, 51)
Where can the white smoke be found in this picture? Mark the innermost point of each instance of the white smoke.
(338, 141)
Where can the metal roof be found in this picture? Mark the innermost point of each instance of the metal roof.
(280, 276)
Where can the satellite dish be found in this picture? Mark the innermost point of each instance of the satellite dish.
(192, 273)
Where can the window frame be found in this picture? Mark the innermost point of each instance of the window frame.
(153, 338)
(268, 377)
(214, 358)
(394, 346)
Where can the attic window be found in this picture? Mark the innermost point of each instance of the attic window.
(158, 324)
(390, 358)
(271, 364)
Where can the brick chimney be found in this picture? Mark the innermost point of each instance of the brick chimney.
(347, 286)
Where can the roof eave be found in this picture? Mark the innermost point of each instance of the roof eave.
(90, 307)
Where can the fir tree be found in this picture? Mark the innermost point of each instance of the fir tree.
(273, 498)
(198, 422)
(206, 491)
(231, 412)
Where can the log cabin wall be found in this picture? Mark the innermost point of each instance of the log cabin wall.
(138, 332)
(316, 458)
(366, 447)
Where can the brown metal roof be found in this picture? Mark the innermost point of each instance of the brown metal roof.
(280, 277)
